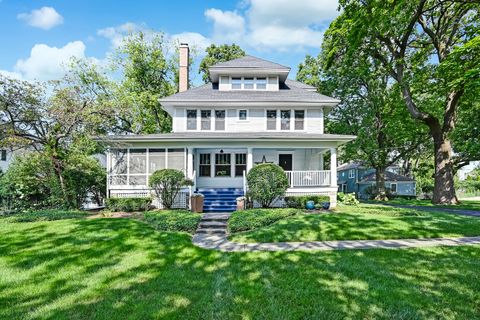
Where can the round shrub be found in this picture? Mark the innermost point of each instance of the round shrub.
(266, 182)
(167, 183)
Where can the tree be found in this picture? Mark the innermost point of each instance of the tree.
(414, 40)
(216, 54)
(266, 182)
(167, 183)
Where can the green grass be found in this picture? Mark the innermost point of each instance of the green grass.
(364, 222)
(45, 215)
(257, 218)
(124, 269)
(464, 204)
(173, 220)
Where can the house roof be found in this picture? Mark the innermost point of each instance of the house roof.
(389, 176)
(231, 136)
(289, 91)
(249, 62)
(350, 165)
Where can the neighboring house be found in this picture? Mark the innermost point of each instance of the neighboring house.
(250, 113)
(5, 159)
(356, 178)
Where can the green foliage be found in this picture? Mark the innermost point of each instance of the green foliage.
(128, 204)
(167, 183)
(216, 54)
(300, 202)
(46, 215)
(266, 182)
(256, 218)
(173, 220)
(347, 199)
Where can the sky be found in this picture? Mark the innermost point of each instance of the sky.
(39, 37)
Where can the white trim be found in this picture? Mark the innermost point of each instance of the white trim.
(246, 117)
(287, 152)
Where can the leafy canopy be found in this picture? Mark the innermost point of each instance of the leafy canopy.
(216, 54)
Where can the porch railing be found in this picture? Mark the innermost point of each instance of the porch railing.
(308, 178)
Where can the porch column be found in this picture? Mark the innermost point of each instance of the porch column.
(321, 161)
(333, 167)
(249, 158)
(190, 163)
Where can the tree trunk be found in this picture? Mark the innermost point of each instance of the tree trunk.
(380, 184)
(59, 171)
(444, 189)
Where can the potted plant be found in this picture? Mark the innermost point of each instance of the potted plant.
(241, 203)
(326, 205)
(310, 205)
(196, 202)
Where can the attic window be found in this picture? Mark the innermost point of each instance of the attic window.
(236, 83)
(261, 83)
(248, 83)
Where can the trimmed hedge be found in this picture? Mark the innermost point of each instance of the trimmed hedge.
(46, 215)
(299, 202)
(173, 220)
(128, 204)
(256, 218)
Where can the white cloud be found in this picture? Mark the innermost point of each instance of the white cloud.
(46, 63)
(194, 40)
(44, 18)
(227, 25)
(116, 34)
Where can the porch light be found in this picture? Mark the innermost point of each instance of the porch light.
(221, 151)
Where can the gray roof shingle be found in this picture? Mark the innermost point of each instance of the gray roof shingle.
(389, 176)
(249, 62)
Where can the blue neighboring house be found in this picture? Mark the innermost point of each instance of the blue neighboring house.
(355, 178)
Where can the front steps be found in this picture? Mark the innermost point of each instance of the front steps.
(213, 224)
(220, 199)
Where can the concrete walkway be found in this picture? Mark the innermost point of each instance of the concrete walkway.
(219, 241)
(463, 212)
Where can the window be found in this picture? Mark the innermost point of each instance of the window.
(248, 83)
(393, 187)
(204, 166)
(236, 83)
(3, 155)
(137, 167)
(351, 174)
(285, 119)
(271, 119)
(220, 120)
(222, 165)
(242, 114)
(223, 80)
(206, 119)
(299, 119)
(191, 119)
(156, 159)
(240, 164)
(261, 83)
(118, 167)
(176, 159)
(344, 188)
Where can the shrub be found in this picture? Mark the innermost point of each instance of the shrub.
(347, 199)
(173, 220)
(300, 201)
(256, 218)
(266, 182)
(167, 183)
(128, 204)
(46, 215)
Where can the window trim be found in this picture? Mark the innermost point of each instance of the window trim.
(187, 118)
(396, 187)
(351, 174)
(246, 114)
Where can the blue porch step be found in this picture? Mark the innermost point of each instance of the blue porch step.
(220, 199)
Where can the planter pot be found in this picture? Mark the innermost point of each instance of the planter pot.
(310, 205)
(196, 203)
(240, 204)
(326, 205)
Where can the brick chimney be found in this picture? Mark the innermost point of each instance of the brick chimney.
(183, 68)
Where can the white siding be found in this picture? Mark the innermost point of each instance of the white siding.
(314, 120)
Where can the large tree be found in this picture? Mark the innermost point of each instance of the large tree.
(216, 54)
(430, 48)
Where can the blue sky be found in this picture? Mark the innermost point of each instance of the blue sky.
(38, 36)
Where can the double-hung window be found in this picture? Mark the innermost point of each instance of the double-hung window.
(240, 164)
(248, 84)
(299, 119)
(351, 173)
(223, 165)
(219, 120)
(237, 83)
(261, 83)
(285, 119)
(206, 119)
(205, 165)
(393, 187)
(271, 119)
(191, 119)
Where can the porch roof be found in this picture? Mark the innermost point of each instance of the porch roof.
(230, 136)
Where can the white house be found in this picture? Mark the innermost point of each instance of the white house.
(248, 114)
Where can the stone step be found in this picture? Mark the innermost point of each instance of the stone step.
(215, 216)
(212, 224)
(211, 230)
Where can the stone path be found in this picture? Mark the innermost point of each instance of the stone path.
(463, 212)
(212, 234)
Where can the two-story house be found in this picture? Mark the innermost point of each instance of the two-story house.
(357, 178)
(249, 113)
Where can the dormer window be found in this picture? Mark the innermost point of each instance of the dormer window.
(191, 119)
(236, 83)
(249, 83)
(261, 83)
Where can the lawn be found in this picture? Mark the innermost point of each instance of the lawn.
(366, 221)
(125, 269)
(464, 204)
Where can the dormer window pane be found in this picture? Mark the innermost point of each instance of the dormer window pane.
(191, 119)
(237, 83)
(261, 83)
(206, 122)
(248, 83)
(299, 119)
(220, 120)
(271, 119)
(285, 119)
